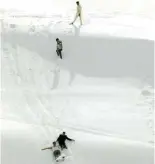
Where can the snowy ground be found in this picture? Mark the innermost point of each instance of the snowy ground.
(21, 143)
(143, 8)
(101, 93)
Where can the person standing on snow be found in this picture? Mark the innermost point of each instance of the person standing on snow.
(78, 13)
(61, 140)
(59, 47)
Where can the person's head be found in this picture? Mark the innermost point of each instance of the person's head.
(57, 39)
(54, 143)
(64, 133)
(77, 2)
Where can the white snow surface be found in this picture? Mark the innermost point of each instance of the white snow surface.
(101, 93)
(142, 8)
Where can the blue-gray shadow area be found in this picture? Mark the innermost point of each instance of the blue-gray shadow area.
(93, 56)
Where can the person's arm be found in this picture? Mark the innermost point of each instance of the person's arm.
(47, 148)
(61, 47)
(69, 139)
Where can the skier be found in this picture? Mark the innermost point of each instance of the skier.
(59, 47)
(78, 13)
(56, 151)
(61, 140)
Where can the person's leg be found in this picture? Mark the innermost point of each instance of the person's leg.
(60, 54)
(76, 16)
(65, 147)
(80, 17)
(57, 52)
(61, 145)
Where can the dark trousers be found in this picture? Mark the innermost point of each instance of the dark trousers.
(62, 145)
(59, 53)
(56, 153)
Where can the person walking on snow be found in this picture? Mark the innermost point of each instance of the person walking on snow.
(78, 13)
(56, 150)
(61, 140)
(59, 47)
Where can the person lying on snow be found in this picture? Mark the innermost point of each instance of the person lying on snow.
(56, 150)
(61, 140)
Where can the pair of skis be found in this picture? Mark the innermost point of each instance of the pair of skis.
(65, 156)
(62, 158)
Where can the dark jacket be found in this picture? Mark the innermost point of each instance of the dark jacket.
(63, 138)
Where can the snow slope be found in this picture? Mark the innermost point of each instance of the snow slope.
(22, 144)
(101, 93)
